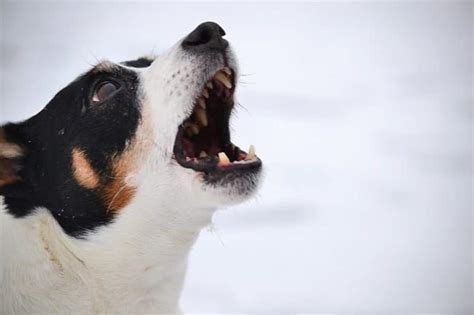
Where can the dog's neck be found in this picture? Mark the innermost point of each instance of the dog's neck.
(137, 264)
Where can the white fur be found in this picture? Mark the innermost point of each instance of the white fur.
(136, 264)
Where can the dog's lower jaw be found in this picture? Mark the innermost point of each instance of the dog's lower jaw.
(118, 269)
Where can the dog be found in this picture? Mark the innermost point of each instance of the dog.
(104, 192)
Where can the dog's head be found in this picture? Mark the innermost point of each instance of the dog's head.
(153, 131)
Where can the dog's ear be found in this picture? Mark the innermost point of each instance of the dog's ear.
(11, 155)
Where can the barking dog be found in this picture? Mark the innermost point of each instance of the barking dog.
(103, 193)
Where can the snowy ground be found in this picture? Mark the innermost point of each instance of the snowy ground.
(363, 116)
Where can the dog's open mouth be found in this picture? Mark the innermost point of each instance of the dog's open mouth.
(203, 139)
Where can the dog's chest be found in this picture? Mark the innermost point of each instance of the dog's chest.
(53, 278)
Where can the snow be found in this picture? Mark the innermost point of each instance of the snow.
(362, 114)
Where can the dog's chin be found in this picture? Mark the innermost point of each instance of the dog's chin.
(229, 190)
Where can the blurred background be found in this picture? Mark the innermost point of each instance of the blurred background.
(362, 114)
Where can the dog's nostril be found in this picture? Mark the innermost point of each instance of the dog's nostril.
(207, 35)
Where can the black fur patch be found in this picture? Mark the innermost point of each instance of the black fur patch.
(70, 121)
(138, 63)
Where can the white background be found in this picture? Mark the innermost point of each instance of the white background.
(362, 114)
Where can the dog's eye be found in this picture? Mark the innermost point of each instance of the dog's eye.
(104, 91)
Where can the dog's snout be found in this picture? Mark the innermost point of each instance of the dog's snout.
(207, 36)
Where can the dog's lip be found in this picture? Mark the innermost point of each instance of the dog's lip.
(216, 164)
(203, 139)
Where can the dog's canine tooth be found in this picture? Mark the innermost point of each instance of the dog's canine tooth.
(201, 116)
(227, 70)
(223, 159)
(205, 93)
(203, 154)
(221, 77)
(251, 153)
(209, 85)
(202, 103)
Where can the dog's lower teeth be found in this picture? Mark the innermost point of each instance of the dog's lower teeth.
(223, 159)
(191, 129)
(251, 153)
(221, 77)
(203, 154)
(205, 93)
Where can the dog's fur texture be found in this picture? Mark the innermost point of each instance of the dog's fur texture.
(96, 215)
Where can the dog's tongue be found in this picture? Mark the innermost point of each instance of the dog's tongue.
(195, 149)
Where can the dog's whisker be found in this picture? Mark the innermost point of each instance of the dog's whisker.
(214, 231)
(242, 107)
(124, 186)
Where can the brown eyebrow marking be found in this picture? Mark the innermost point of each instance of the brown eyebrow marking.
(83, 171)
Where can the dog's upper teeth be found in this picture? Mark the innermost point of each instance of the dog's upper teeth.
(193, 128)
(251, 153)
(205, 93)
(209, 85)
(201, 116)
(223, 159)
(221, 77)
(201, 102)
(227, 70)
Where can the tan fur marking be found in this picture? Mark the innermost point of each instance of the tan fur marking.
(82, 170)
(8, 150)
(117, 193)
(8, 153)
(7, 179)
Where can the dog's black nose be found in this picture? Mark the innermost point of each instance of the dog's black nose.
(206, 36)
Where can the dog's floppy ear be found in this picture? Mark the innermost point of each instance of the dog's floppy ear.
(11, 154)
